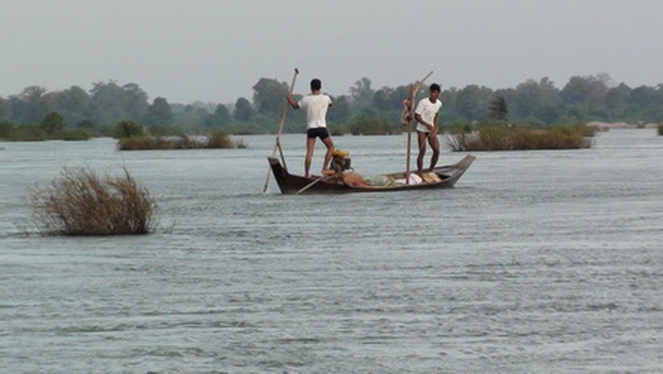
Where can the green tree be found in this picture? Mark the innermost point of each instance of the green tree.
(617, 101)
(472, 103)
(642, 96)
(586, 93)
(87, 126)
(73, 104)
(448, 113)
(657, 109)
(645, 103)
(136, 101)
(340, 111)
(548, 114)
(576, 90)
(30, 106)
(269, 96)
(188, 118)
(112, 103)
(243, 110)
(499, 110)
(362, 93)
(52, 123)
(5, 109)
(220, 118)
(159, 113)
(382, 99)
(532, 100)
(6, 128)
(128, 129)
(108, 103)
(371, 126)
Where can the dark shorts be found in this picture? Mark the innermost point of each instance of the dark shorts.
(319, 132)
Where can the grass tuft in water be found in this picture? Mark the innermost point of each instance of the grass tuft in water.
(81, 203)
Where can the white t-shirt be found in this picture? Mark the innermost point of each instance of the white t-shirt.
(316, 110)
(427, 111)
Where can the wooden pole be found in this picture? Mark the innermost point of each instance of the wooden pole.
(312, 184)
(409, 117)
(277, 146)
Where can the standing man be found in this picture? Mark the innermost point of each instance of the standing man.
(427, 127)
(316, 105)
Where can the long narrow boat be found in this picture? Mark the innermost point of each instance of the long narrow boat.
(440, 177)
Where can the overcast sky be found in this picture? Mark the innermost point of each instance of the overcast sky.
(216, 50)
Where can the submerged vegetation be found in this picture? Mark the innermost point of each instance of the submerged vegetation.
(501, 138)
(183, 141)
(81, 203)
(132, 136)
(373, 126)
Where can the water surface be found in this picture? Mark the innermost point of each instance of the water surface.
(538, 261)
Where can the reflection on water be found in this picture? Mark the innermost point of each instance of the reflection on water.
(537, 261)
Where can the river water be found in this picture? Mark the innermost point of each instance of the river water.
(537, 261)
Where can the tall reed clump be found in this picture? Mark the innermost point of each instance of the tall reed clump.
(219, 139)
(81, 203)
(500, 138)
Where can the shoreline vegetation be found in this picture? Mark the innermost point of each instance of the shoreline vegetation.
(211, 141)
(51, 127)
(132, 136)
(495, 136)
(373, 126)
(512, 138)
(78, 114)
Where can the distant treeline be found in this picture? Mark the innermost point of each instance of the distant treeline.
(582, 99)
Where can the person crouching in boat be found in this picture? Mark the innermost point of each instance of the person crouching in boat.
(427, 127)
(316, 105)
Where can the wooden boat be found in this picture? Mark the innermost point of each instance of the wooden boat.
(440, 177)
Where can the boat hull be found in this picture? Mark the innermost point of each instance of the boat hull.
(291, 184)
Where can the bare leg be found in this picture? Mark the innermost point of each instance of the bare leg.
(330, 151)
(421, 138)
(435, 145)
(310, 145)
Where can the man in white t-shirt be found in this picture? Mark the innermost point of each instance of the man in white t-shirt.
(427, 126)
(316, 105)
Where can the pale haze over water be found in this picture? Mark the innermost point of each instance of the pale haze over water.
(215, 51)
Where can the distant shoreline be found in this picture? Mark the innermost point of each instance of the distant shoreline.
(623, 125)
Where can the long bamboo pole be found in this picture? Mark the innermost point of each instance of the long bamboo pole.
(409, 118)
(277, 146)
(313, 183)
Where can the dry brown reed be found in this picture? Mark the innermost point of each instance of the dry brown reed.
(219, 139)
(81, 203)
